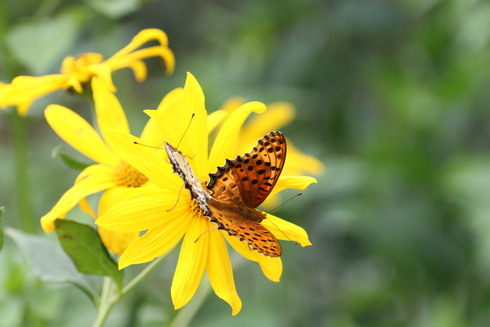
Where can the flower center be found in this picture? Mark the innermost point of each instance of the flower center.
(79, 66)
(196, 210)
(127, 176)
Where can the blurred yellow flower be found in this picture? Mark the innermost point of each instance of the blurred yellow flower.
(77, 71)
(278, 114)
(111, 175)
(168, 214)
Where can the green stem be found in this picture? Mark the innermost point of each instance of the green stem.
(105, 303)
(8, 68)
(185, 315)
(109, 298)
(129, 286)
(21, 167)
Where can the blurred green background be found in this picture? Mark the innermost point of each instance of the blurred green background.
(392, 96)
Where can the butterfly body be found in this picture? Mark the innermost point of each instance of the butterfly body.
(184, 170)
(232, 194)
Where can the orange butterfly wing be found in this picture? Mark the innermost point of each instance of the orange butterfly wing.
(250, 178)
(257, 236)
(237, 188)
(241, 185)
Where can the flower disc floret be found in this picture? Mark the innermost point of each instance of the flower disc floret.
(126, 176)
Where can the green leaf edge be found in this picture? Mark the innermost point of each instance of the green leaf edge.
(83, 285)
(116, 275)
(60, 151)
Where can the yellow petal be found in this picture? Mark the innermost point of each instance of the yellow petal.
(183, 123)
(141, 38)
(241, 247)
(272, 201)
(271, 267)
(117, 242)
(97, 182)
(232, 104)
(37, 85)
(74, 130)
(171, 100)
(148, 161)
(195, 141)
(85, 207)
(25, 89)
(139, 70)
(148, 208)
(177, 123)
(104, 73)
(225, 145)
(75, 84)
(157, 129)
(220, 272)
(110, 114)
(296, 182)
(215, 118)
(151, 134)
(156, 242)
(127, 55)
(284, 230)
(92, 170)
(192, 261)
(278, 115)
(298, 163)
(133, 60)
(171, 130)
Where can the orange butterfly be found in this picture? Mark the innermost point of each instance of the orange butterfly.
(237, 188)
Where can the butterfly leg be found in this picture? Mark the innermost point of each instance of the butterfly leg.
(178, 197)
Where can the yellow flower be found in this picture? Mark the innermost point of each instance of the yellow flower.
(77, 71)
(278, 114)
(167, 214)
(111, 174)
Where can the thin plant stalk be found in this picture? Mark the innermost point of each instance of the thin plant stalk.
(111, 296)
(18, 133)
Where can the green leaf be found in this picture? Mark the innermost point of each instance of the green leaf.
(84, 246)
(62, 152)
(39, 44)
(2, 210)
(49, 263)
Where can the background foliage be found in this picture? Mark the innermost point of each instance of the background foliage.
(391, 95)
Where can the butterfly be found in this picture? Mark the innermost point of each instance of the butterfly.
(237, 188)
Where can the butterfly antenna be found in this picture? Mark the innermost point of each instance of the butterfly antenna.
(148, 146)
(188, 125)
(178, 197)
(294, 196)
(197, 239)
(296, 243)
